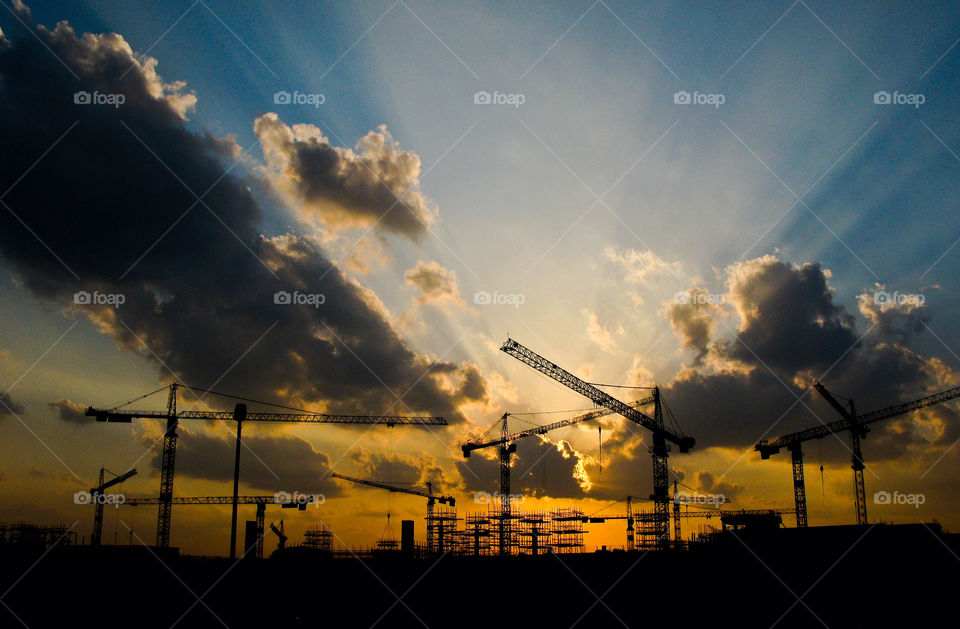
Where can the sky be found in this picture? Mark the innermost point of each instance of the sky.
(728, 201)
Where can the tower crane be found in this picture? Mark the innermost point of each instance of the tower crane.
(857, 425)
(506, 446)
(173, 416)
(661, 435)
(434, 544)
(281, 536)
(261, 503)
(96, 497)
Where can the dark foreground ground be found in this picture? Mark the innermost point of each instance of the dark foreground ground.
(831, 576)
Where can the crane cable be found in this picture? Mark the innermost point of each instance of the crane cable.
(600, 452)
(139, 397)
(619, 386)
(823, 495)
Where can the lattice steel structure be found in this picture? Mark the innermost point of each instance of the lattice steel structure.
(441, 530)
(318, 538)
(173, 417)
(661, 435)
(476, 538)
(36, 535)
(566, 530)
(857, 426)
(533, 533)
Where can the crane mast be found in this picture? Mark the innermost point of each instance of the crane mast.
(172, 417)
(96, 494)
(167, 463)
(659, 451)
(857, 426)
(261, 503)
(432, 544)
(506, 446)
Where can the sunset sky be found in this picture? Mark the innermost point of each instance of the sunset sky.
(446, 175)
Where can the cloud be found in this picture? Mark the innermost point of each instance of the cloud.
(436, 283)
(268, 463)
(9, 407)
(374, 184)
(693, 315)
(788, 319)
(707, 483)
(199, 281)
(406, 469)
(70, 412)
(640, 267)
(597, 332)
(898, 321)
(791, 332)
(541, 467)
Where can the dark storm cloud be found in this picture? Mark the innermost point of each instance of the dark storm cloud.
(791, 334)
(408, 470)
(268, 463)
(692, 316)
(374, 184)
(539, 469)
(9, 407)
(70, 412)
(789, 319)
(896, 322)
(198, 280)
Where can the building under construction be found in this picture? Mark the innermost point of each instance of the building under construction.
(318, 537)
(22, 534)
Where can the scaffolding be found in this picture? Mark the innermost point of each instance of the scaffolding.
(504, 529)
(475, 539)
(318, 538)
(566, 529)
(533, 532)
(442, 530)
(646, 531)
(24, 534)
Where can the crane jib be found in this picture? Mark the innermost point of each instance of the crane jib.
(592, 393)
